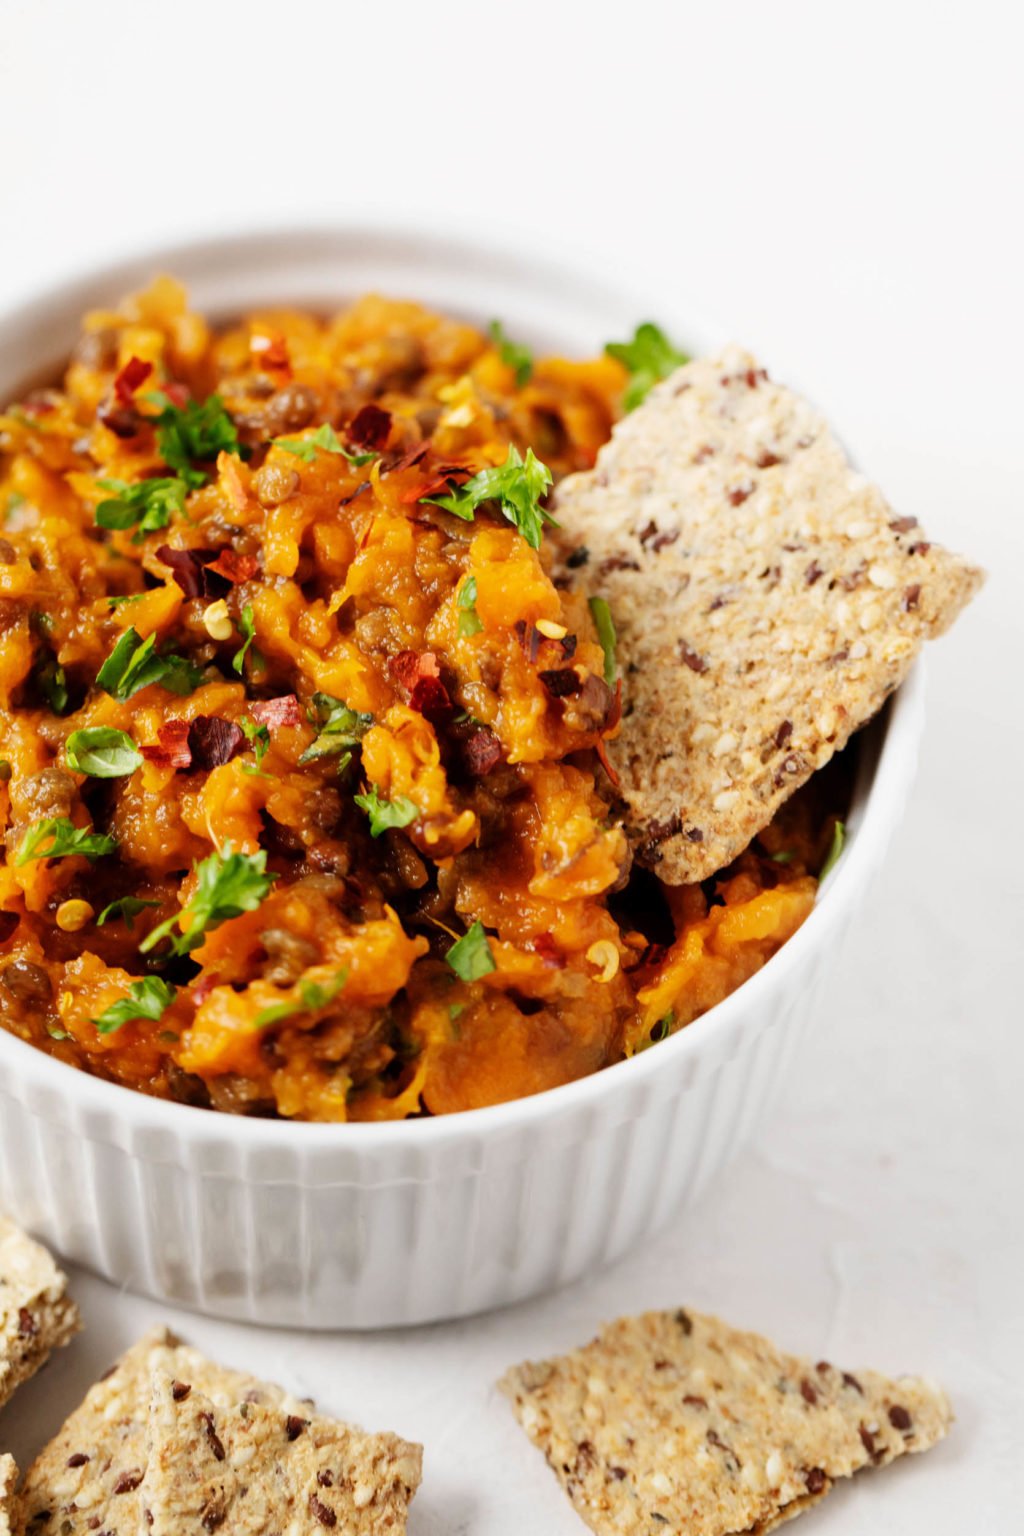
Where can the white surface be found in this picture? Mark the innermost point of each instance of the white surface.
(841, 185)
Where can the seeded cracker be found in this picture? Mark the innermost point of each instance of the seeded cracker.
(93, 1468)
(767, 601)
(258, 1469)
(8, 1497)
(36, 1313)
(675, 1422)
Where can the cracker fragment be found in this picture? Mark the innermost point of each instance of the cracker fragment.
(676, 1422)
(95, 1464)
(767, 600)
(36, 1314)
(258, 1469)
(8, 1496)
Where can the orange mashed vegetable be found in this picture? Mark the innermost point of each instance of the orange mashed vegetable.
(424, 662)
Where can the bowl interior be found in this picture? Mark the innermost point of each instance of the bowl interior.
(547, 306)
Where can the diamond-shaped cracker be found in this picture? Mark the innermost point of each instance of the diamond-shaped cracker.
(259, 1470)
(36, 1313)
(94, 1466)
(675, 1422)
(767, 600)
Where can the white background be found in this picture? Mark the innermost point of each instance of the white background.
(841, 184)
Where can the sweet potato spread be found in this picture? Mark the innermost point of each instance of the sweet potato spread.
(303, 785)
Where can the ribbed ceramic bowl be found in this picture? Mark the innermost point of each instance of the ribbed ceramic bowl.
(363, 1226)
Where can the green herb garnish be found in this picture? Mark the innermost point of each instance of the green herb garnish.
(125, 907)
(52, 682)
(134, 664)
(312, 995)
(386, 815)
(650, 356)
(194, 434)
(339, 730)
(470, 957)
(149, 503)
(470, 622)
(248, 632)
(603, 623)
(325, 438)
(835, 849)
(517, 486)
(258, 737)
(147, 999)
(129, 597)
(102, 753)
(229, 884)
(784, 856)
(66, 839)
(512, 353)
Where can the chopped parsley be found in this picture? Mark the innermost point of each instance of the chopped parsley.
(150, 504)
(134, 664)
(470, 957)
(258, 737)
(325, 438)
(194, 434)
(603, 623)
(512, 353)
(650, 356)
(63, 838)
(102, 752)
(229, 884)
(517, 486)
(339, 730)
(129, 597)
(248, 632)
(835, 849)
(386, 815)
(784, 856)
(51, 680)
(147, 999)
(125, 907)
(311, 996)
(470, 622)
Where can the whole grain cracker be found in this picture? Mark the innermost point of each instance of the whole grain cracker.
(257, 1470)
(94, 1466)
(674, 1421)
(767, 600)
(36, 1313)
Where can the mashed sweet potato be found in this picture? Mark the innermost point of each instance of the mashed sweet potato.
(301, 771)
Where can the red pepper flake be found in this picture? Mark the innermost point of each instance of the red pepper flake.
(214, 741)
(271, 351)
(189, 568)
(545, 946)
(274, 713)
(406, 460)
(177, 394)
(123, 421)
(409, 666)
(171, 749)
(369, 429)
(134, 373)
(8, 923)
(602, 753)
(234, 567)
(345, 501)
(420, 675)
(481, 752)
(431, 698)
(529, 637)
(440, 480)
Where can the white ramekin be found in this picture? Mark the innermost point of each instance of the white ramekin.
(365, 1226)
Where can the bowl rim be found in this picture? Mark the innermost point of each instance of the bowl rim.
(878, 792)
